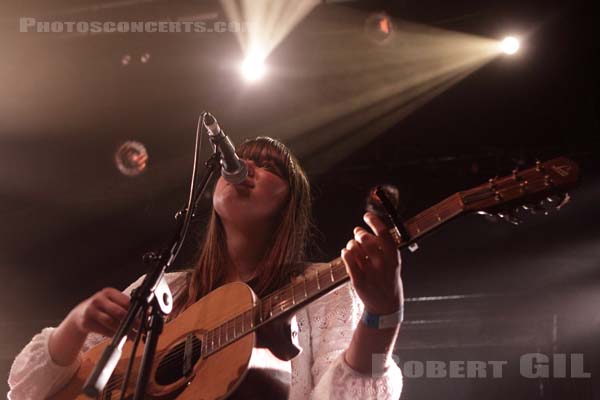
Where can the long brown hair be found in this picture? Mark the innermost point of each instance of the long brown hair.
(284, 258)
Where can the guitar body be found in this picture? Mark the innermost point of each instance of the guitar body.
(213, 377)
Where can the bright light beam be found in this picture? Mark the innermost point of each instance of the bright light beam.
(365, 89)
(510, 45)
(253, 67)
(268, 23)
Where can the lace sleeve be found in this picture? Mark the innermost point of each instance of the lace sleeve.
(333, 320)
(35, 376)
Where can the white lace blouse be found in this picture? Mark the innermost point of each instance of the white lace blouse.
(318, 372)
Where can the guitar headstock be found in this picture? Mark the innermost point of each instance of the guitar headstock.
(545, 183)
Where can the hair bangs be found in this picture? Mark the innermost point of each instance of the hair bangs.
(267, 149)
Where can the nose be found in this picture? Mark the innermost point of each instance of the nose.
(251, 166)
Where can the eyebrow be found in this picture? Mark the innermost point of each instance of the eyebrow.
(280, 169)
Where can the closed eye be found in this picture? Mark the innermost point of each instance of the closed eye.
(271, 167)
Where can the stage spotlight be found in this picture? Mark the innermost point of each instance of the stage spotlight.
(253, 66)
(510, 45)
(379, 27)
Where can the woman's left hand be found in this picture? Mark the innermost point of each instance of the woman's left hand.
(373, 263)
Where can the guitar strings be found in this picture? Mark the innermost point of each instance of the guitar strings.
(171, 359)
(168, 361)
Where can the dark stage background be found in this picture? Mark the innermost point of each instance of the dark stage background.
(72, 224)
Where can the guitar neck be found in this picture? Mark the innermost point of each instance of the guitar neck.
(318, 282)
(329, 276)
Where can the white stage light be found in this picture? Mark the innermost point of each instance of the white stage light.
(510, 45)
(253, 66)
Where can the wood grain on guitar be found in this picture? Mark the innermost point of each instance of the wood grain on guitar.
(206, 351)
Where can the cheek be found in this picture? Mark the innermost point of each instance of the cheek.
(280, 196)
(219, 195)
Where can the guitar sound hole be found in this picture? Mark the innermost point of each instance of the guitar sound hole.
(171, 367)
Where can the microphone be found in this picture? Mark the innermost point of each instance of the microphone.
(233, 169)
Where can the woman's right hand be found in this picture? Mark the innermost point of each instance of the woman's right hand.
(101, 313)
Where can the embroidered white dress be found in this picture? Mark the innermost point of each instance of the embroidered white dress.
(318, 372)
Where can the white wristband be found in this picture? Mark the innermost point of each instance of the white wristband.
(382, 321)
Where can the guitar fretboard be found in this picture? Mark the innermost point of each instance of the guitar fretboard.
(303, 290)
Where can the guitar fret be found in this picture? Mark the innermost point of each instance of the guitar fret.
(280, 304)
(341, 272)
(293, 299)
(331, 273)
(318, 283)
(251, 317)
(301, 293)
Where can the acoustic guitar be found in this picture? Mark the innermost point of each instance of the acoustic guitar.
(206, 351)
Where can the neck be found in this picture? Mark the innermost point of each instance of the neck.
(246, 248)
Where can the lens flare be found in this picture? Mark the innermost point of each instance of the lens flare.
(379, 28)
(131, 158)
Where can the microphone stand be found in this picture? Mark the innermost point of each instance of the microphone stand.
(154, 291)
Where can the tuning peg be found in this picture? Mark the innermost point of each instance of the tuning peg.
(510, 218)
(531, 208)
(500, 217)
(562, 201)
(555, 202)
(489, 217)
(535, 209)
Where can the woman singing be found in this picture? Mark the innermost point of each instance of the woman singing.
(257, 234)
